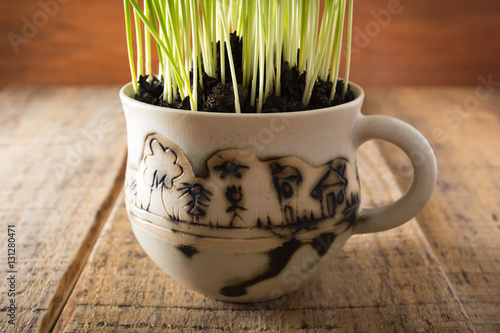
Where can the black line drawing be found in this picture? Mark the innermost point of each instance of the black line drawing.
(234, 195)
(330, 190)
(230, 168)
(286, 180)
(132, 189)
(278, 260)
(162, 167)
(302, 195)
(199, 196)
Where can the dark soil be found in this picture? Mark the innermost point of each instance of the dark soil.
(216, 97)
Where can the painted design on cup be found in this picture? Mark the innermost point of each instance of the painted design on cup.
(161, 167)
(283, 195)
(279, 258)
(200, 197)
(289, 207)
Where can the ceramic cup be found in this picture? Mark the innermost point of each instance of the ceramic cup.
(241, 207)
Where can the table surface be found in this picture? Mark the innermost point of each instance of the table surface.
(79, 268)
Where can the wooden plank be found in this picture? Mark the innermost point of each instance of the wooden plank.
(419, 42)
(381, 282)
(462, 222)
(62, 153)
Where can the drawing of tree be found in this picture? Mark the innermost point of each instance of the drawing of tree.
(162, 168)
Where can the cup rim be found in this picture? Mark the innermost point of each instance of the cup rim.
(358, 92)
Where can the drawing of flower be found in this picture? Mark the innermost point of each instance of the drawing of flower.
(230, 168)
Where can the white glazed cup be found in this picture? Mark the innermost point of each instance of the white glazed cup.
(246, 207)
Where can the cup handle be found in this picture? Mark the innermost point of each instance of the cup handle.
(424, 165)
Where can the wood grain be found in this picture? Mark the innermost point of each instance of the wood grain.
(62, 164)
(447, 42)
(381, 282)
(461, 223)
(439, 272)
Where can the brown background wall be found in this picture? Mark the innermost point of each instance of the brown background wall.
(416, 42)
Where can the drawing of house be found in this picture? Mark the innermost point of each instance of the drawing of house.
(286, 181)
(330, 191)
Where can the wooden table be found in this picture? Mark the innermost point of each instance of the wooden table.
(79, 268)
